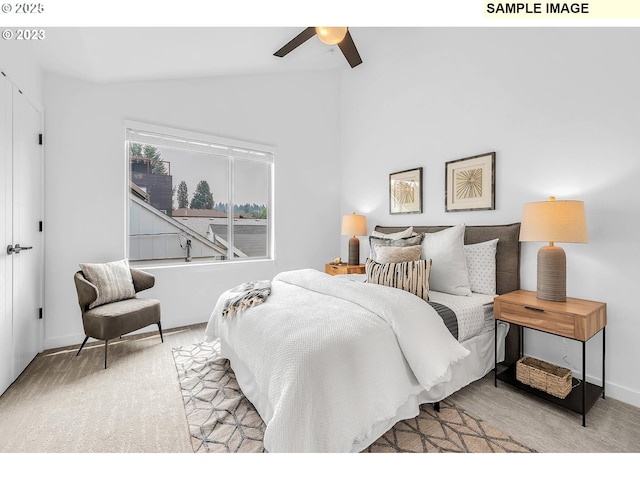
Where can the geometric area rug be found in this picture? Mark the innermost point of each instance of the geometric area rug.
(221, 419)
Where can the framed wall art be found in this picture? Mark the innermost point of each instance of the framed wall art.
(405, 191)
(470, 183)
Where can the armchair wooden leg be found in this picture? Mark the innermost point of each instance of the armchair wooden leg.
(85, 341)
(105, 353)
(160, 328)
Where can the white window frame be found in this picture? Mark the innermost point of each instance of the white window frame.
(204, 143)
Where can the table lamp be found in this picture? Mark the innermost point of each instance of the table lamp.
(354, 225)
(553, 221)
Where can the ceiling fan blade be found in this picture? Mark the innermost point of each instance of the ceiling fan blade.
(298, 40)
(350, 51)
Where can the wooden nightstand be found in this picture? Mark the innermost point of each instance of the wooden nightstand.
(333, 269)
(575, 319)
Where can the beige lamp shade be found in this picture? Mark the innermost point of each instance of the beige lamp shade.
(354, 224)
(553, 221)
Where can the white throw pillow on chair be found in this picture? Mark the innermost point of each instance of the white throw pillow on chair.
(113, 281)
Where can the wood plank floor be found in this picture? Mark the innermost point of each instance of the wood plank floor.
(611, 426)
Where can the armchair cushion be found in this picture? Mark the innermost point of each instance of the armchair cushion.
(119, 318)
(112, 280)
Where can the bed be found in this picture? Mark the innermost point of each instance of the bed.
(331, 363)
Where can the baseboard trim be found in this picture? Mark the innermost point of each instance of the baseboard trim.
(618, 392)
(76, 339)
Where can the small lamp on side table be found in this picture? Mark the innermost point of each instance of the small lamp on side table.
(354, 225)
(553, 221)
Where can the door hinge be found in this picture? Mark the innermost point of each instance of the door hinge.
(39, 139)
(40, 313)
(40, 226)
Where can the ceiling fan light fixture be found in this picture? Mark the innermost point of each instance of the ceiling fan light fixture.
(340, 36)
(331, 35)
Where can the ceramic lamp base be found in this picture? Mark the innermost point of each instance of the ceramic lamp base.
(354, 251)
(552, 274)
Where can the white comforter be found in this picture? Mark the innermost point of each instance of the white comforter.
(332, 357)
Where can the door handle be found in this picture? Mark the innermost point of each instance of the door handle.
(17, 249)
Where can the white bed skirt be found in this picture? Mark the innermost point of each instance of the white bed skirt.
(472, 368)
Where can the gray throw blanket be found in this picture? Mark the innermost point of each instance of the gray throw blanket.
(249, 295)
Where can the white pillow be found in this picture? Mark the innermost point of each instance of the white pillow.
(112, 280)
(448, 265)
(394, 236)
(481, 265)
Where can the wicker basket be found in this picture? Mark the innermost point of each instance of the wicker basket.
(550, 378)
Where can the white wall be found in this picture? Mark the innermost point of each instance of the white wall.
(18, 63)
(85, 173)
(560, 107)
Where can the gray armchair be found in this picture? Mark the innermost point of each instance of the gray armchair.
(112, 320)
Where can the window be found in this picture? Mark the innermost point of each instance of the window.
(195, 197)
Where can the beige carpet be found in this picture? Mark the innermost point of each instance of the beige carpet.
(63, 403)
(221, 419)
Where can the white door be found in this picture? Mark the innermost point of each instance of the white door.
(6, 212)
(27, 216)
(23, 251)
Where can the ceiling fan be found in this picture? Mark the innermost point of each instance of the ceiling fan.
(331, 36)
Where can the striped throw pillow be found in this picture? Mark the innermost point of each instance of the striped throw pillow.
(112, 280)
(412, 277)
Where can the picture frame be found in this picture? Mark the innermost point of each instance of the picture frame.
(405, 191)
(470, 183)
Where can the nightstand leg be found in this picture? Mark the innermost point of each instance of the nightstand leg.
(495, 352)
(603, 384)
(584, 384)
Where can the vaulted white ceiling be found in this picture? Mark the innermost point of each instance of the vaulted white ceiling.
(117, 54)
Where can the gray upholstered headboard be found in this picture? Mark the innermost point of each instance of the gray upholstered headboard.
(507, 255)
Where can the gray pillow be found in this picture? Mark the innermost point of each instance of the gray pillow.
(389, 254)
(394, 236)
(412, 277)
(112, 280)
(401, 242)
